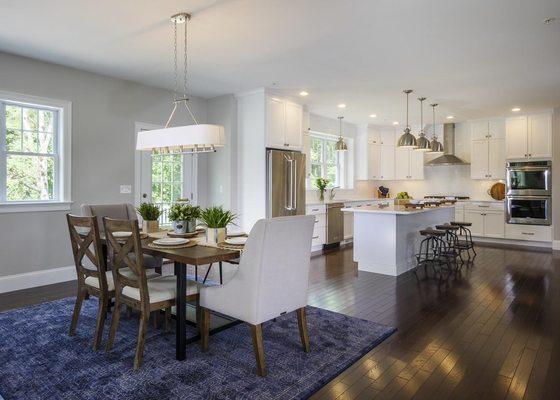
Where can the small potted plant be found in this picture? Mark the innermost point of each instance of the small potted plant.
(150, 214)
(322, 184)
(183, 216)
(216, 220)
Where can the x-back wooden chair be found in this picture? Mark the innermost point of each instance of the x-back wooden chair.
(86, 243)
(135, 290)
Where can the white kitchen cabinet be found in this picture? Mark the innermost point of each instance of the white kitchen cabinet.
(488, 129)
(348, 225)
(540, 136)
(374, 161)
(488, 159)
(488, 219)
(529, 137)
(529, 232)
(284, 121)
(387, 162)
(409, 164)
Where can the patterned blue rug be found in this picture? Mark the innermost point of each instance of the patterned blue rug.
(40, 361)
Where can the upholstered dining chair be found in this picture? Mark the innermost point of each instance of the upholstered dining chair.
(271, 280)
(135, 290)
(92, 279)
(118, 211)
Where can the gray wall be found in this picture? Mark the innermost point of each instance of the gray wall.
(103, 114)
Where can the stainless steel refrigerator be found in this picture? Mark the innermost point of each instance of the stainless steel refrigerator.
(285, 183)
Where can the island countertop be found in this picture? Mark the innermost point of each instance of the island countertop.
(394, 209)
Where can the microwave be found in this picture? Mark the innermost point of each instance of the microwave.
(533, 178)
(529, 210)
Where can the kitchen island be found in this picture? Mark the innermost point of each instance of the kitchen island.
(386, 239)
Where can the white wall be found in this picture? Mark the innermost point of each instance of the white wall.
(104, 112)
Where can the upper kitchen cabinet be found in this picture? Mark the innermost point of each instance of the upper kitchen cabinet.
(409, 164)
(488, 157)
(381, 162)
(283, 124)
(529, 137)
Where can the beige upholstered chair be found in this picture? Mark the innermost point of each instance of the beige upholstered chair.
(135, 290)
(272, 279)
(118, 211)
(86, 244)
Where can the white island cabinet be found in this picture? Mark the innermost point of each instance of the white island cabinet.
(387, 239)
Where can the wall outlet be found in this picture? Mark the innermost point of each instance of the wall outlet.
(126, 189)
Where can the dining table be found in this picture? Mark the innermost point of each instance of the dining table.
(181, 257)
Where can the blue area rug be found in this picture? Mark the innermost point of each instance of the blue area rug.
(40, 361)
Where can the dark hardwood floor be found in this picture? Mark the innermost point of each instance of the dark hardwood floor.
(493, 333)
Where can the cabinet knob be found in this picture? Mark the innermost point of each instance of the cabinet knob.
(530, 155)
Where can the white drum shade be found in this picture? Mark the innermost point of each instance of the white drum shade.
(186, 137)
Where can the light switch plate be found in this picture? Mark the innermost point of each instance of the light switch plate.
(126, 189)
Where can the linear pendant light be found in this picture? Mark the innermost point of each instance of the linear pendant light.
(340, 144)
(436, 146)
(422, 142)
(189, 139)
(407, 139)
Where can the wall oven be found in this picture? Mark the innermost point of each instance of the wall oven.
(529, 210)
(529, 178)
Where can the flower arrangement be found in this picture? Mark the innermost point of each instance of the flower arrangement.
(321, 184)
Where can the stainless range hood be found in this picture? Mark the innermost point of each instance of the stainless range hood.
(448, 157)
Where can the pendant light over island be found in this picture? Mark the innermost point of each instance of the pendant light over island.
(407, 139)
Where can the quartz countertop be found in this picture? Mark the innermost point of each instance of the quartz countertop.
(393, 209)
(342, 200)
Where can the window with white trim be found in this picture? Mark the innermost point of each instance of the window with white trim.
(34, 151)
(324, 159)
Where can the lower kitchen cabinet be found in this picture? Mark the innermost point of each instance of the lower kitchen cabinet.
(486, 222)
(537, 233)
(348, 225)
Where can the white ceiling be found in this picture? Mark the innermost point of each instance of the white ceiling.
(477, 58)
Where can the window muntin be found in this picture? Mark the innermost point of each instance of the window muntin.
(324, 159)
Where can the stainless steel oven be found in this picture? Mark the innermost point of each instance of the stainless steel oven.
(531, 178)
(529, 210)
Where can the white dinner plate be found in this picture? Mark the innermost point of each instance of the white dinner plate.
(170, 241)
(122, 234)
(236, 234)
(236, 240)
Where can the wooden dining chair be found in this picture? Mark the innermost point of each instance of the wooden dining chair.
(95, 281)
(272, 280)
(135, 290)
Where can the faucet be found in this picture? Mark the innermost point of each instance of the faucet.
(331, 195)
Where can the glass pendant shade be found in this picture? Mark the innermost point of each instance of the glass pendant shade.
(407, 139)
(436, 147)
(195, 138)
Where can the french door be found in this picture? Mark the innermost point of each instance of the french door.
(163, 179)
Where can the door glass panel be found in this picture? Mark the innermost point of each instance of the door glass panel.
(521, 180)
(528, 208)
(167, 182)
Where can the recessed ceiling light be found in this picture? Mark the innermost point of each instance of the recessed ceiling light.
(303, 93)
(450, 117)
(396, 123)
(373, 116)
(342, 105)
(549, 21)
(516, 109)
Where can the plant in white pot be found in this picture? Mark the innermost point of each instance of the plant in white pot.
(183, 216)
(150, 214)
(216, 220)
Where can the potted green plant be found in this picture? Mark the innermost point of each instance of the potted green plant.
(150, 214)
(183, 216)
(321, 184)
(216, 220)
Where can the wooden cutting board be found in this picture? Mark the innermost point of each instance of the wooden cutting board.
(498, 191)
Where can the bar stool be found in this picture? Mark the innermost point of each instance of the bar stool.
(433, 252)
(465, 238)
(454, 252)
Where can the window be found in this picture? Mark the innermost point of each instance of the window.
(167, 181)
(34, 152)
(325, 160)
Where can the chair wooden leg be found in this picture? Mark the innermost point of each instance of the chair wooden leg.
(101, 315)
(114, 323)
(128, 312)
(302, 322)
(167, 319)
(256, 332)
(144, 317)
(204, 328)
(77, 308)
(155, 316)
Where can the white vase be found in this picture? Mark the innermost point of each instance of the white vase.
(216, 235)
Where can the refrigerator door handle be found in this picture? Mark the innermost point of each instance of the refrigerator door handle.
(294, 186)
(289, 187)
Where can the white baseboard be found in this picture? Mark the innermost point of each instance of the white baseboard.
(28, 280)
(556, 245)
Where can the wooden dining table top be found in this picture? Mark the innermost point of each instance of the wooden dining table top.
(195, 255)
